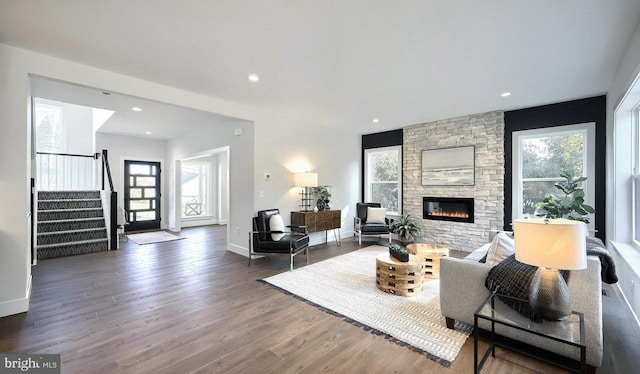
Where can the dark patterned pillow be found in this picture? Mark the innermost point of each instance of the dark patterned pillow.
(512, 278)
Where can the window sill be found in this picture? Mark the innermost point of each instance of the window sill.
(629, 253)
(197, 218)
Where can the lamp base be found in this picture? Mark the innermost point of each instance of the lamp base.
(549, 295)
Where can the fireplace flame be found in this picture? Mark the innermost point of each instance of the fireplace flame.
(449, 214)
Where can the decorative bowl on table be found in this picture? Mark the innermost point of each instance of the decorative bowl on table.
(399, 253)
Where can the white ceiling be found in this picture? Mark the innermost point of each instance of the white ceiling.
(343, 62)
(162, 120)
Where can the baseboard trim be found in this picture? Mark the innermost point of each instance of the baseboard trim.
(238, 249)
(624, 297)
(16, 306)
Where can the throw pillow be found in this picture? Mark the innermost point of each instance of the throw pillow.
(276, 224)
(501, 247)
(376, 215)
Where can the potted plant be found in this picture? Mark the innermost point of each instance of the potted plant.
(399, 253)
(571, 205)
(406, 228)
(323, 195)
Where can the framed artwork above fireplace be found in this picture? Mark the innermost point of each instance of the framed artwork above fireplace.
(449, 166)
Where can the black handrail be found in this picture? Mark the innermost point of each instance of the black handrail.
(105, 163)
(67, 154)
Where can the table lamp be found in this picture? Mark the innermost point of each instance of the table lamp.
(552, 245)
(306, 181)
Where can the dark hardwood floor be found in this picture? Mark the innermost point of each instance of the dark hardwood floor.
(189, 306)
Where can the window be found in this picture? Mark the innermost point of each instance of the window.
(383, 175)
(196, 195)
(50, 131)
(539, 156)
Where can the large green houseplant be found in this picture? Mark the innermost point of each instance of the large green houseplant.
(571, 205)
(406, 228)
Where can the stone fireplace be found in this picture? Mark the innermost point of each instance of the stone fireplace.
(484, 131)
(454, 209)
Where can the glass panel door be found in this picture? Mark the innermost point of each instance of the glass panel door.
(142, 194)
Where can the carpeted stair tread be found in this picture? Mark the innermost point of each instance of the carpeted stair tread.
(72, 220)
(70, 249)
(66, 214)
(71, 236)
(70, 224)
(61, 195)
(69, 204)
(59, 245)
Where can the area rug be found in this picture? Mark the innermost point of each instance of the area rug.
(346, 286)
(152, 237)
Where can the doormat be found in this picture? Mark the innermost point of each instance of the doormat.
(153, 237)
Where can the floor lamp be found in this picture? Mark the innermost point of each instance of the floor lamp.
(552, 245)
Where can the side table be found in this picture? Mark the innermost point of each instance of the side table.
(430, 255)
(399, 278)
(569, 331)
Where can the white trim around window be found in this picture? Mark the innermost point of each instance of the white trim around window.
(368, 167)
(589, 131)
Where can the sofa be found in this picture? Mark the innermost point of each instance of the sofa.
(462, 291)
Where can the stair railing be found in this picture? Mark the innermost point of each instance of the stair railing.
(71, 173)
(64, 171)
(113, 209)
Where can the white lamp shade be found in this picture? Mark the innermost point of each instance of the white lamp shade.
(305, 179)
(553, 244)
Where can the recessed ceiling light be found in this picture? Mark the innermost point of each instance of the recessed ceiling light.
(505, 94)
(136, 109)
(148, 132)
(375, 120)
(253, 77)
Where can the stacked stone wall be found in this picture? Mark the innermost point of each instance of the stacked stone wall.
(486, 133)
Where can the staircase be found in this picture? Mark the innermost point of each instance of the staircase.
(70, 223)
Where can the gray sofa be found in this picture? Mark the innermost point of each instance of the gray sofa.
(462, 290)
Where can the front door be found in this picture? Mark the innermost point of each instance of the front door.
(142, 194)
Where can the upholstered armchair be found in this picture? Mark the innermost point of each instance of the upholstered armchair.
(271, 236)
(370, 220)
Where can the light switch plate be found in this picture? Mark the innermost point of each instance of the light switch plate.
(267, 176)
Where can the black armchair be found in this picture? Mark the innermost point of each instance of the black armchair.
(363, 228)
(278, 241)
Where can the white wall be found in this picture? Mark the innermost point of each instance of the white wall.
(287, 146)
(214, 135)
(279, 145)
(78, 121)
(223, 183)
(121, 148)
(15, 171)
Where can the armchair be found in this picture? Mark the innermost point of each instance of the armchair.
(275, 240)
(363, 227)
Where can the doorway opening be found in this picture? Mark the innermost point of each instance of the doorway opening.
(204, 188)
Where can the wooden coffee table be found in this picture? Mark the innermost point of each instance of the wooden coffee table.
(430, 255)
(399, 278)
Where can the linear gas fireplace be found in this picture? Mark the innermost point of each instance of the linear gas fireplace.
(457, 209)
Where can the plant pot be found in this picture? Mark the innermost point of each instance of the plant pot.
(322, 204)
(404, 240)
(400, 256)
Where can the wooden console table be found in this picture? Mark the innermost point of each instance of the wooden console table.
(323, 220)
